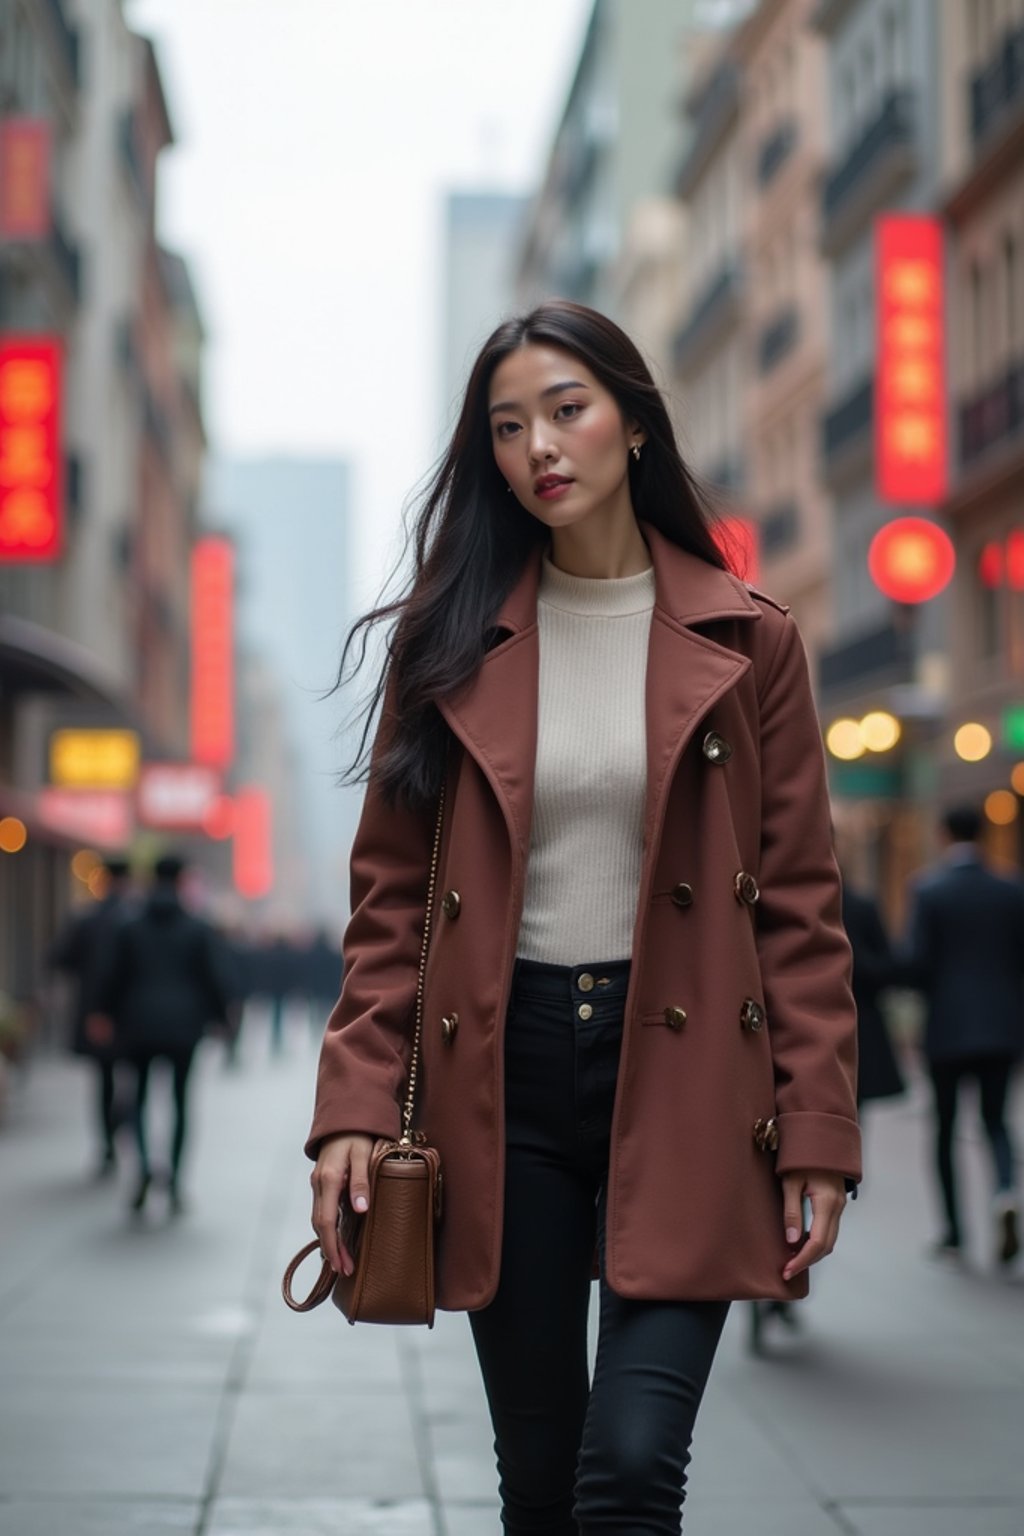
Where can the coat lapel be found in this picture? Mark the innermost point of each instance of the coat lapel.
(687, 673)
(495, 715)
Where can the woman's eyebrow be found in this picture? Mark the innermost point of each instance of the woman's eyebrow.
(552, 389)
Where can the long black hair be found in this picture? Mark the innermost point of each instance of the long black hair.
(471, 541)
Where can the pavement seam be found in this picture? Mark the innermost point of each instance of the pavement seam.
(256, 1294)
(412, 1381)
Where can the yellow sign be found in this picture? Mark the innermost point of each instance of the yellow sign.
(94, 759)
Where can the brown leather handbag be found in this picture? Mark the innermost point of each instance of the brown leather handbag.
(392, 1246)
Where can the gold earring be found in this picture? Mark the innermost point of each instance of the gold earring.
(635, 450)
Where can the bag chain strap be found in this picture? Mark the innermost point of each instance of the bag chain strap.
(406, 1139)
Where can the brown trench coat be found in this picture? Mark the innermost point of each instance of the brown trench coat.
(738, 926)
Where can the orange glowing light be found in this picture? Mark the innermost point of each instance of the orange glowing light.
(911, 560)
(253, 851)
(13, 835)
(910, 420)
(213, 655)
(31, 513)
(25, 178)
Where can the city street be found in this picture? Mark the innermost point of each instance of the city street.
(151, 1380)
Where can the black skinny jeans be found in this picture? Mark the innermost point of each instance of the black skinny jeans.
(574, 1458)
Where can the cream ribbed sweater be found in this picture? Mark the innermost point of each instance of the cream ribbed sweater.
(591, 776)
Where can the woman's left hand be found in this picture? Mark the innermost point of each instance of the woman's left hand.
(827, 1195)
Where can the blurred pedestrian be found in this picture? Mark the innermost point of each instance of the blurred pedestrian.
(166, 983)
(965, 951)
(274, 970)
(874, 969)
(638, 1035)
(82, 949)
(320, 968)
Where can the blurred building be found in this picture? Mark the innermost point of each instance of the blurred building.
(885, 105)
(612, 149)
(709, 365)
(982, 119)
(784, 323)
(478, 262)
(100, 442)
(290, 519)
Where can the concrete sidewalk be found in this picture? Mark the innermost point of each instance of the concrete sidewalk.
(152, 1382)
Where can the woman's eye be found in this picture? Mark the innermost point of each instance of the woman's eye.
(506, 428)
(571, 407)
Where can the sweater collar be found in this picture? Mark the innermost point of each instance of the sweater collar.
(686, 588)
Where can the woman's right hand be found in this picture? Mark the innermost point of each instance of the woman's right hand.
(343, 1164)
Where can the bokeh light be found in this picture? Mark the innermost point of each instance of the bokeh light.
(13, 835)
(1001, 807)
(844, 739)
(880, 731)
(972, 742)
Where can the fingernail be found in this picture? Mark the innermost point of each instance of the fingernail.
(360, 1202)
(792, 1235)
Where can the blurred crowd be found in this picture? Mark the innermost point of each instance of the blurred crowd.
(150, 978)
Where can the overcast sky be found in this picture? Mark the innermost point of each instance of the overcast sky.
(316, 139)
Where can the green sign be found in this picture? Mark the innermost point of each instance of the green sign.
(867, 781)
(1013, 727)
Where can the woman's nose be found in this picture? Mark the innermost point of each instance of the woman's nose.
(540, 447)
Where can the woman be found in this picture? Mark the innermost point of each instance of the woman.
(638, 1031)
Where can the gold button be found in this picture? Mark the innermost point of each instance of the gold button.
(766, 1135)
(675, 1018)
(451, 904)
(752, 1015)
(585, 1011)
(715, 748)
(449, 1026)
(746, 887)
(585, 982)
(682, 894)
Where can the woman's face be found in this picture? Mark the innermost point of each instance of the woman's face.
(559, 437)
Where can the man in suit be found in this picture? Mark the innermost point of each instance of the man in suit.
(81, 949)
(965, 951)
(166, 982)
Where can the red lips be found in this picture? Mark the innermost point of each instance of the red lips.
(550, 483)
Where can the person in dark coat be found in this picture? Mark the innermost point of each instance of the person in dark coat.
(874, 969)
(81, 949)
(167, 982)
(965, 951)
(321, 966)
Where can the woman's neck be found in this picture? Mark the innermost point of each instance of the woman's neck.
(600, 548)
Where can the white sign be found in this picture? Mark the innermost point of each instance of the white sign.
(176, 796)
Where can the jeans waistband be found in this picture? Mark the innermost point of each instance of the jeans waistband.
(562, 983)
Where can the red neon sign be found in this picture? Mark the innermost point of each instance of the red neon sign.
(911, 560)
(737, 538)
(25, 145)
(910, 421)
(213, 653)
(252, 850)
(31, 470)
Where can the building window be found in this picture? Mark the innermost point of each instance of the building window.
(869, 91)
(989, 621)
(1011, 298)
(976, 325)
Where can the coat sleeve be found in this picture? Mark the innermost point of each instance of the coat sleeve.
(365, 1053)
(804, 952)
